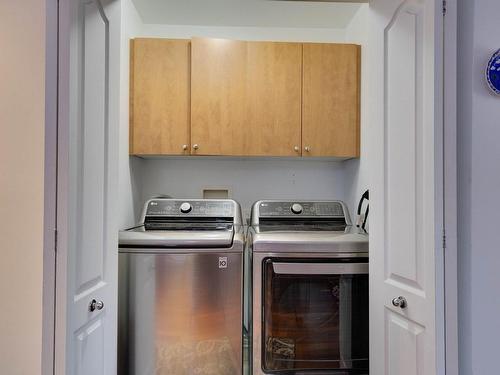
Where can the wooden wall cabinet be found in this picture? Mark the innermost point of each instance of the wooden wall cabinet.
(238, 98)
(245, 98)
(159, 96)
(331, 100)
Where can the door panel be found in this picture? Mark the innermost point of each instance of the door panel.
(87, 166)
(331, 99)
(89, 344)
(92, 144)
(404, 345)
(159, 96)
(404, 149)
(246, 98)
(406, 220)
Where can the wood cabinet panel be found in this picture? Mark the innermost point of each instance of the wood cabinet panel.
(218, 96)
(159, 96)
(274, 99)
(331, 100)
(246, 97)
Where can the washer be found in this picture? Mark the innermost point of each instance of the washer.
(308, 268)
(180, 289)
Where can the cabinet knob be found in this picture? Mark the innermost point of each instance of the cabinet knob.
(184, 147)
(296, 148)
(307, 148)
(195, 146)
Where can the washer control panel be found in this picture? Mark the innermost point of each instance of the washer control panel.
(295, 209)
(190, 208)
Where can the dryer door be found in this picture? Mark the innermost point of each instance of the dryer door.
(315, 315)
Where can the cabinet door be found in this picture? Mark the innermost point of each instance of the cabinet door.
(245, 98)
(218, 96)
(331, 100)
(159, 97)
(273, 115)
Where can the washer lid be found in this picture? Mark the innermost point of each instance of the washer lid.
(185, 223)
(179, 238)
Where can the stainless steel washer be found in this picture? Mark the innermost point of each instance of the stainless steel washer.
(180, 289)
(309, 309)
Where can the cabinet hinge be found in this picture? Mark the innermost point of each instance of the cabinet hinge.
(444, 7)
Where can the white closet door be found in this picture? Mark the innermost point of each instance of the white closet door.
(87, 166)
(406, 184)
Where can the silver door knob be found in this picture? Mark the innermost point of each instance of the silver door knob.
(95, 305)
(307, 148)
(399, 302)
(195, 146)
(296, 148)
(184, 147)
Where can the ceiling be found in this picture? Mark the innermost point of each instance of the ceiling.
(247, 13)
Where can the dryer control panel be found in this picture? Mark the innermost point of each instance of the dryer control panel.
(333, 209)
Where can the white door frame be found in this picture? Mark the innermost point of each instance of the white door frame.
(53, 284)
(449, 319)
(450, 203)
(50, 186)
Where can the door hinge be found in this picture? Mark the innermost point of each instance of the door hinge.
(55, 240)
(444, 240)
(444, 7)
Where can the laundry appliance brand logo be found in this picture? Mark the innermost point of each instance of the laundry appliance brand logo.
(222, 262)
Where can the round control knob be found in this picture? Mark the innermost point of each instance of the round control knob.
(296, 208)
(186, 207)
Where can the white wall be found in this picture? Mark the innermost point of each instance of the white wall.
(356, 170)
(22, 107)
(130, 26)
(248, 179)
(244, 33)
(296, 14)
(479, 187)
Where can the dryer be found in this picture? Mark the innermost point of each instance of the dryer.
(309, 275)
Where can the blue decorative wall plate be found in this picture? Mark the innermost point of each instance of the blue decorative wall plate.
(493, 73)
